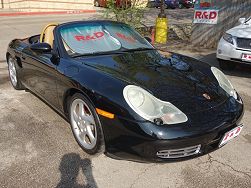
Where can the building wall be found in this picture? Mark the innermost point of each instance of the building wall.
(47, 5)
(229, 13)
(52, 5)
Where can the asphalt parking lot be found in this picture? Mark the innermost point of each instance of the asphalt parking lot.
(37, 148)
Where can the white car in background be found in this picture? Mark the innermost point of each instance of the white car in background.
(235, 46)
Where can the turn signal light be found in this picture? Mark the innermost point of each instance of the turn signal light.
(105, 114)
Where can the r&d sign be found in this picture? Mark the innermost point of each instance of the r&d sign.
(206, 16)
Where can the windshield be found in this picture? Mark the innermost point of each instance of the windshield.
(91, 38)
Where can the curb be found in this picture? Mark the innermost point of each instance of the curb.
(46, 13)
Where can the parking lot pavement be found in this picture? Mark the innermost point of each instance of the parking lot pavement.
(37, 148)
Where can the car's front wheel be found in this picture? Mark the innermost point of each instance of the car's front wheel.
(85, 124)
(226, 65)
(13, 74)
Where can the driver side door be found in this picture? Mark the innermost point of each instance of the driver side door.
(41, 75)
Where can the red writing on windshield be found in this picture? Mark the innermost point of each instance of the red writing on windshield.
(126, 38)
(95, 35)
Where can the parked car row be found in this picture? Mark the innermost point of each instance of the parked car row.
(151, 3)
(172, 3)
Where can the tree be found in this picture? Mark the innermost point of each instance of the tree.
(127, 11)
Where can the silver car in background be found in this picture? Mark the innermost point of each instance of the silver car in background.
(235, 46)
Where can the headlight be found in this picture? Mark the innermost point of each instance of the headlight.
(151, 108)
(224, 82)
(229, 38)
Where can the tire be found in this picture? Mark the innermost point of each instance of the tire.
(13, 70)
(85, 125)
(226, 65)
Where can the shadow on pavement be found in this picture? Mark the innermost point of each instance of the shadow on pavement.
(70, 167)
(4, 79)
(241, 70)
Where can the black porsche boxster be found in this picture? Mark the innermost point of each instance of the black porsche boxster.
(121, 96)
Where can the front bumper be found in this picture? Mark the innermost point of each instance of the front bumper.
(143, 141)
(231, 52)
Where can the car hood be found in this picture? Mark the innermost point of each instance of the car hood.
(241, 31)
(185, 82)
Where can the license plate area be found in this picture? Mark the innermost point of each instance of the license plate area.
(230, 135)
(246, 57)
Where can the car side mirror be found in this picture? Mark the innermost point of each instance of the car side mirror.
(148, 39)
(55, 57)
(41, 47)
(242, 20)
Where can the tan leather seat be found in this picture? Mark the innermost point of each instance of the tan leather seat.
(47, 35)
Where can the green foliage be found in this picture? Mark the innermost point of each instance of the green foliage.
(129, 11)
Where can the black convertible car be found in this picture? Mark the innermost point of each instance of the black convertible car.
(121, 96)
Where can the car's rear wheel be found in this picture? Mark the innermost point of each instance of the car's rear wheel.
(226, 65)
(85, 124)
(13, 74)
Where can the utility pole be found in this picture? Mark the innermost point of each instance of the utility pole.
(162, 10)
(161, 27)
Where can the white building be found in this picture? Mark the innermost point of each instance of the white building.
(46, 5)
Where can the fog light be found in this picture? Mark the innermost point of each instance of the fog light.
(219, 51)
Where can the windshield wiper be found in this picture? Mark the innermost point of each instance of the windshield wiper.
(111, 52)
(96, 53)
(137, 49)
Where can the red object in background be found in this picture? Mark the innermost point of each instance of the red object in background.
(126, 38)
(205, 5)
(152, 37)
(103, 3)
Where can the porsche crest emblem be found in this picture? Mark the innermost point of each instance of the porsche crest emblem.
(206, 96)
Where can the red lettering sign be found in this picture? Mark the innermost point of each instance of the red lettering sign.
(198, 14)
(95, 35)
(79, 37)
(212, 15)
(99, 34)
(124, 37)
(206, 16)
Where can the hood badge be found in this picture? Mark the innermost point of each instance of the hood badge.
(206, 96)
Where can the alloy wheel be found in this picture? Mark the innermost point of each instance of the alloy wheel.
(12, 71)
(83, 124)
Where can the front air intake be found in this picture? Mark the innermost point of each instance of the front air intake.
(178, 153)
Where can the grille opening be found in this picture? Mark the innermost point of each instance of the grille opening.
(178, 153)
(244, 43)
